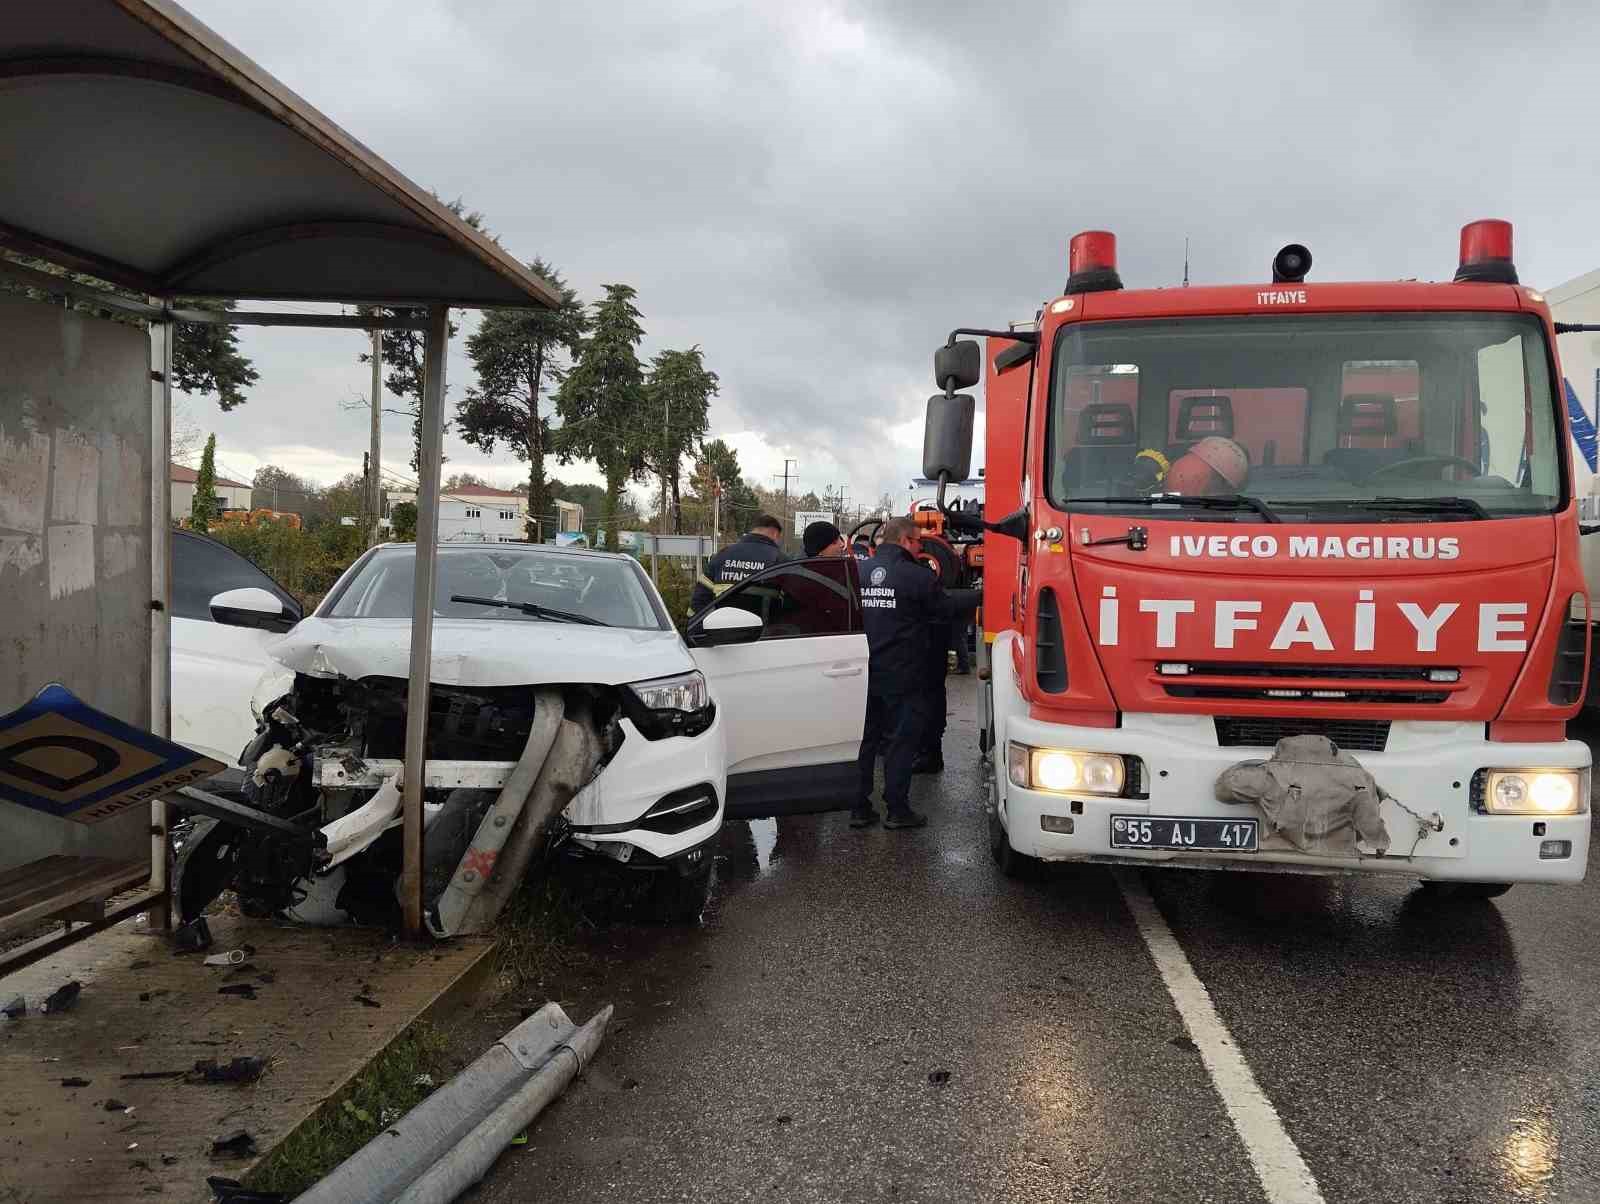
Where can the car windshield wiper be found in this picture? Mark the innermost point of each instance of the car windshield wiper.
(531, 608)
(1433, 505)
(1225, 501)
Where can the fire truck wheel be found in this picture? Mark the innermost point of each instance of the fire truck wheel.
(937, 551)
(1466, 891)
(1010, 863)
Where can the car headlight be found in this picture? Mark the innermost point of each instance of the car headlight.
(685, 692)
(1535, 791)
(1061, 771)
(670, 706)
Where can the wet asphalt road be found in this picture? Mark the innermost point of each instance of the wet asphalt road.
(880, 1016)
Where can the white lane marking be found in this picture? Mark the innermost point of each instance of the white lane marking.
(1283, 1173)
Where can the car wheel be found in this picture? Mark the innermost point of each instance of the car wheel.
(680, 898)
(1467, 891)
(1011, 863)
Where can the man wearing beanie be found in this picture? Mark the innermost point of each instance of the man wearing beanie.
(823, 539)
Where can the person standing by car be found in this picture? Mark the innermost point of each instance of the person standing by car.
(823, 539)
(756, 550)
(901, 602)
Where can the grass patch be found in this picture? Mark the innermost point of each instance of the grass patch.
(380, 1095)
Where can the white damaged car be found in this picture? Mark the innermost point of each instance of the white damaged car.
(564, 705)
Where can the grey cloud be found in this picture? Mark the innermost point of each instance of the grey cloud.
(818, 195)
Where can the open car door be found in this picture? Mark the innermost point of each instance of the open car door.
(792, 690)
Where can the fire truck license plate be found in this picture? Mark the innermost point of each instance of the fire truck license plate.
(1174, 832)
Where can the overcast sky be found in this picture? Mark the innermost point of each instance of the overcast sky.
(816, 194)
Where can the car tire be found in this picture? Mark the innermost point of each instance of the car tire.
(1467, 892)
(1010, 863)
(681, 898)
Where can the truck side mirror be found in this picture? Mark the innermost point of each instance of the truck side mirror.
(947, 437)
(958, 366)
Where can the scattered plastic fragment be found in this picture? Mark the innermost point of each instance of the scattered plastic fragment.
(238, 1144)
(193, 936)
(244, 989)
(231, 1191)
(938, 1077)
(62, 997)
(520, 1139)
(232, 957)
(368, 1001)
(75, 1082)
(133, 1145)
(16, 1009)
(239, 1070)
(115, 1105)
(154, 1074)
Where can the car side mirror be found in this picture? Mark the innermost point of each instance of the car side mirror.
(947, 437)
(725, 625)
(252, 606)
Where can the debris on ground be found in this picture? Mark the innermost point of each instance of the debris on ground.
(239, 1070)
(246, 990)
(75, 1082)
(368, 1001)
(16, 1009)
(938, 1077)
(232, 957)
(115, 1105)
(238, 1144)
(62, 997)
(231, 1191)
(153, 1074)
(192, 937)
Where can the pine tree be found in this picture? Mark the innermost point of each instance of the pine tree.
(520, 355)
(204, 506)
(600, 401)
(680, 390)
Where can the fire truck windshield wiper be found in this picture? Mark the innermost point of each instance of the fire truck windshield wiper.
(1465, 506)
(1225, 501)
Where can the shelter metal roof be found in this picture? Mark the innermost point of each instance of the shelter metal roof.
(138, 146)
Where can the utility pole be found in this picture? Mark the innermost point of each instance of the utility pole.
(661, 523)
(788, 515)
(374, 480)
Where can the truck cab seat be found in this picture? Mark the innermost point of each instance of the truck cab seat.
(1365, 418)
(1103, 454)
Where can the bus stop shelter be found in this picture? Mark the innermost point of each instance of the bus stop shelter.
(147, 162)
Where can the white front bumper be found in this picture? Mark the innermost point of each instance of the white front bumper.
(640, 775)
(1427, 766)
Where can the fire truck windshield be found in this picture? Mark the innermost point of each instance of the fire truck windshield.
(1329, 417)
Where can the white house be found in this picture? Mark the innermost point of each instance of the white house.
(485, 514)
(232, 495)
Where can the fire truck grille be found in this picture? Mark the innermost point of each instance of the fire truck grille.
(1345, 672)
(1344, 694)
(1353, 735)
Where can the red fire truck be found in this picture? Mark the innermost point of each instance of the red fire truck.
(1279, 576)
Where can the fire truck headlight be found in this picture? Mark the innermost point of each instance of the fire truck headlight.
(1063, 771)
(1535, 791)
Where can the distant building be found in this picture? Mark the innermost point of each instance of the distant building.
(231, 495)
(484, 514)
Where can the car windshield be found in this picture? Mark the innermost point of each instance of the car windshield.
(1326, 416)
(598, 589)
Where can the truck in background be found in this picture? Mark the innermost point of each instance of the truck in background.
(1280, 575)
(1578, 302)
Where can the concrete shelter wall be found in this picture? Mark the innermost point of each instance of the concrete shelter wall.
(75, 489)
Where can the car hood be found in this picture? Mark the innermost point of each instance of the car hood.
(474, 652)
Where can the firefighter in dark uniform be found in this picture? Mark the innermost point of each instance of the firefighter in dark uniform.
(901, 602)
(757, 550)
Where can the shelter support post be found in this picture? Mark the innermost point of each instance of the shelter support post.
(374, 476)
(433, 360)
(160, 916)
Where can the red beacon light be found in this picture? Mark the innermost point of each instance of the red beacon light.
(1092, 263)
(1486, 253)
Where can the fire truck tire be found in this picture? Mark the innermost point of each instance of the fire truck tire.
(1466, 892)
(937, 551)
(1007, 860)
